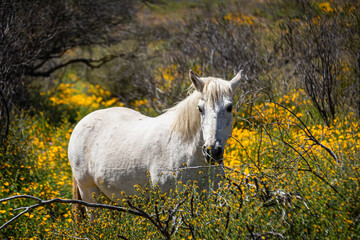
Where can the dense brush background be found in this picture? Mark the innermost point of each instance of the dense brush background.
(292, 163)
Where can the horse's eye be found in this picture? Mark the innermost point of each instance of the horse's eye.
(229, 108)
(200, 109)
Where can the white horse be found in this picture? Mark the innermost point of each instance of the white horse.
(111, 150)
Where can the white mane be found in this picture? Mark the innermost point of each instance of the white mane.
(187, 120)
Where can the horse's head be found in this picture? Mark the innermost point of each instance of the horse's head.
(215, 107)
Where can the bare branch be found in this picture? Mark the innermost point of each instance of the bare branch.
(4, 117)
(92, 63)
(308, 132)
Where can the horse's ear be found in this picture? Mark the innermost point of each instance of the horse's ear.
(235, 82)
(196, 81)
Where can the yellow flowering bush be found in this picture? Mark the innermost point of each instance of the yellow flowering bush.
(279, 159)
(240, 19)
(279, 181)
(38, 167)
(80, 98)
(166, 77)
(326, 7)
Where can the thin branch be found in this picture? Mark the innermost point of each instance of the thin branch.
(306, 130)
(172, 213)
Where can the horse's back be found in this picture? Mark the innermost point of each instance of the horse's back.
(92, 129)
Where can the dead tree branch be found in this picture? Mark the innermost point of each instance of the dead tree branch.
(92, 63)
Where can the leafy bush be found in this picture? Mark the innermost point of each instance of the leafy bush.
(288, 175)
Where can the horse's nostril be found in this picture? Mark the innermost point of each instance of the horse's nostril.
(214, 152)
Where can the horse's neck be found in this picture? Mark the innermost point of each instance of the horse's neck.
(187, 150)
(184, 133)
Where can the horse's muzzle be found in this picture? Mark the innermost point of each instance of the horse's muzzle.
(213, 154)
